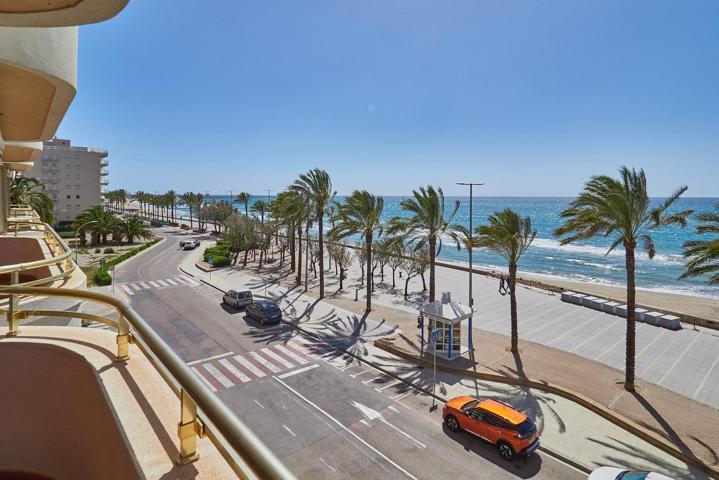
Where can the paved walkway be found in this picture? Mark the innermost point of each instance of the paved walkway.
(566, 428)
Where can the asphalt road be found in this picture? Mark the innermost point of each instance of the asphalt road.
(321, 412)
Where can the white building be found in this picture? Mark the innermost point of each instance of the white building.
(74, 176)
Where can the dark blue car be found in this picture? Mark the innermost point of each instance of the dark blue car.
(264, 311)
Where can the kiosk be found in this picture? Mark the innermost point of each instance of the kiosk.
(446, 317)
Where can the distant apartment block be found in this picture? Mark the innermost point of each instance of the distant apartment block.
(74, 176)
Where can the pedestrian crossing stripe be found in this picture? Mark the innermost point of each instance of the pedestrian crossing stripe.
(236, 369)
(132, 287)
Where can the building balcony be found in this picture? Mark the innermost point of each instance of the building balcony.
(104, 171)
(104, 162)
(104, 182)
(92, 403)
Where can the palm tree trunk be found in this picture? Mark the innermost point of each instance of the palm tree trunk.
(631, 323)
(190, 208)
(299, 253)
(368, 240)
(513, 306)
(432, 253)
(291, 242)
(321, 255)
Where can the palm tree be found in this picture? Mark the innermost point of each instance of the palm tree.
(193, 201)
(132, 228)
(317, 186)
(98, 221)
(620, 209)
(509, 235)
(31, 191)
(361, 214)
(260, 207)
(426, 225)
(244, 198)
(703, 255)
(172, 203)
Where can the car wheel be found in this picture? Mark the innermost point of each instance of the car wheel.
(452, 423)
(505, 450)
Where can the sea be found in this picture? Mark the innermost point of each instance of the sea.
(584, 261)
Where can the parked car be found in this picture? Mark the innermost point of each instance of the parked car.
(155, 223)
(237, 298)
(189, 244)
(614, 473)
(510, 430)
(264, 311)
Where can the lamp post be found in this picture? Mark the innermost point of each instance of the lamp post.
(77, 240)
(470, 341)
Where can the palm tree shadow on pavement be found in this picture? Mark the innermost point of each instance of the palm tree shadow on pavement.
(640, 459)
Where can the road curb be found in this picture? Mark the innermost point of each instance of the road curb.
(617, 419)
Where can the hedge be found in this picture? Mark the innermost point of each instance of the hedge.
(130, 253)
(220, 254)
(101, 277)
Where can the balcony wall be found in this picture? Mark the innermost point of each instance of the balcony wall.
(15, 250)
(77, 437)
(70, 411)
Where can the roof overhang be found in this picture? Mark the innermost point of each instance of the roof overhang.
(57, 13)
(21, 152)
(19, 166)
(38, 76)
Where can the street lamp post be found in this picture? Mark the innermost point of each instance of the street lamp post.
(470, 341)
(77, 240)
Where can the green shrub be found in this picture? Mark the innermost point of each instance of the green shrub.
(218, 260)
(97, 250)
(109, 250)
(102, 278)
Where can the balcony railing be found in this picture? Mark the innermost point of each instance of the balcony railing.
(104, 162)
(201, 412)
(104, 171)
(24, 218)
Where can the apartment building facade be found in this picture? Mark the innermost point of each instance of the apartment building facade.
(74, 176)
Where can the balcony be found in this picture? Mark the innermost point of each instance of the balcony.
(92, 403)
(104, 162)
(104, 171)
(104, 182)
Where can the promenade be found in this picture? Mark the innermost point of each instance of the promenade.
(567, 428)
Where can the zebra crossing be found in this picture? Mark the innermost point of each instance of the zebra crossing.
(132, 288)
(230, 369)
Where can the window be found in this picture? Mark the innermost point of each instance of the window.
(77, 206)
(68, 206)
(77, 196)
(67, 187)
(77, 177)
(68, 196)
(77, 187)
(67, 177)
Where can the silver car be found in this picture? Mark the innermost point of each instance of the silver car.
(237, 298)
(264, 311)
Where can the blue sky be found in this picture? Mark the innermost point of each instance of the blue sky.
(530, 97)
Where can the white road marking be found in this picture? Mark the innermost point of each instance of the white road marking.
(599, 332)
(372, 379)
(400, 396)
(162, 283)
(337, 422)
(372, 414)
(127, 290)
(292, 355)
(679, 358)
(664, 330)
(226, 382)
(153, 284)
(189, 280)
(135, 287)
(259, 405)
(327, 464)
(202, 360)
(360, 373)
(266, 363)
(267, 351)
(390, 384)
(234, 371)
(288, 429)
(204, 380)
(621, 339)
(171, 281)
(299, 370)
(393, 408)
(249, 366)
(567, 332)
(144, 285)
(704, 380)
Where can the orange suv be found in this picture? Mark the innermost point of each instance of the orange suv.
(498, 423)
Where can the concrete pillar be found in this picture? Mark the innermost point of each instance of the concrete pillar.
(4, 195)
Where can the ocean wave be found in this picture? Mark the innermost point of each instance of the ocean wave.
(549, 244)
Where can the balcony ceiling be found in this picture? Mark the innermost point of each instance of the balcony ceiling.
(38, 75)
(21, 152)
(19, 166)
(57, 13)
